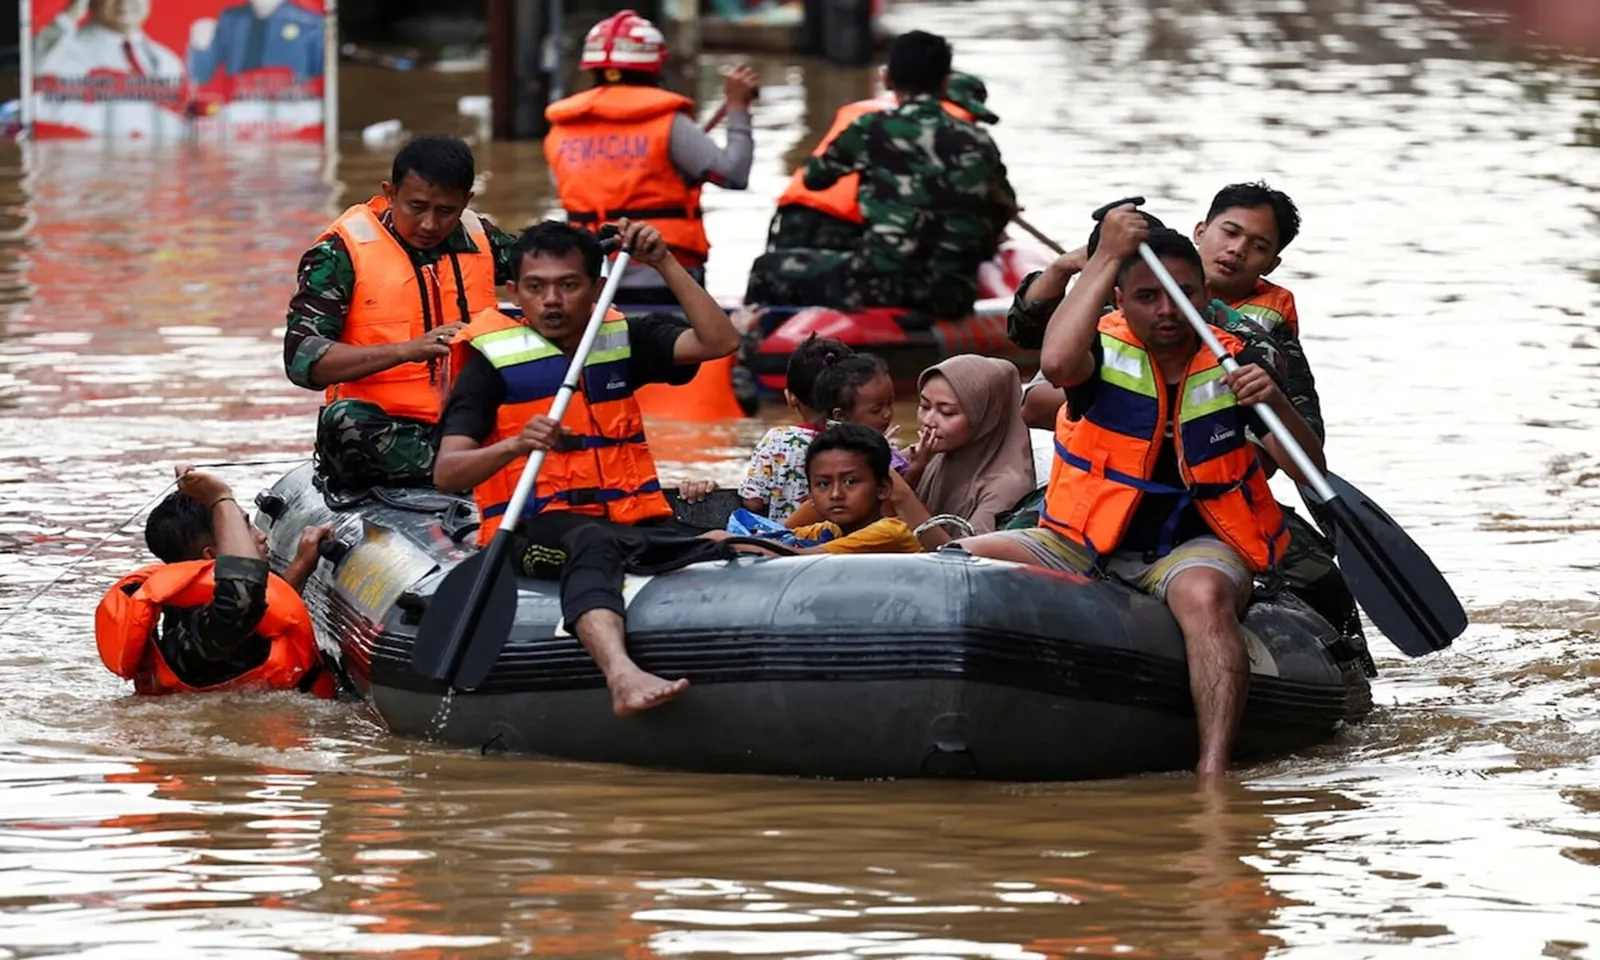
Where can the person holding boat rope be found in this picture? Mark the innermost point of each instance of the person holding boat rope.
(597, 504)
(210, 615)
(1155, 480)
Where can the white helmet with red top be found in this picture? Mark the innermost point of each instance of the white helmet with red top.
(626, 41)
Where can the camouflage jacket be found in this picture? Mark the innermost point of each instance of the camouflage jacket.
(327, 279)
(1027, 319)
(933, 192)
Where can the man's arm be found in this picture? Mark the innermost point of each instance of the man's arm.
(1299, 384)
(711, 334)
(1037, 297)
(1065, 356)
(467, 421)
(1253, 384)
(847, 154)
(1002, 196)
(698, 159)
(312, 356)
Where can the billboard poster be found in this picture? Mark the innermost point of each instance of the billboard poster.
(179, 69)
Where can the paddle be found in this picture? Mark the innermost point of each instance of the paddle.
(1039, 235)
(1389, 575)
(469, 618)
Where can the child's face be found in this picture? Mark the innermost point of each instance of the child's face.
(940, 420)
(874, 404)
(844, 491)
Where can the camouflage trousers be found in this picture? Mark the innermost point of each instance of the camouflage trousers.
(850, 281)
(360, 447)
(802, 228)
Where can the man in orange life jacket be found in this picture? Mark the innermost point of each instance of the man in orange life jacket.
(597, 504)
(380, 296)
(210, 616)
(830, 219)
(1241, 241)
(1154, 479)
(628, 149)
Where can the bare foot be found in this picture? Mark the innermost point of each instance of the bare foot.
(636, 691)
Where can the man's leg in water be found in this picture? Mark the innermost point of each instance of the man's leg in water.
(591, 605)
(1205, 585)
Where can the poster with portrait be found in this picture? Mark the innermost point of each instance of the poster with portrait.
(179, 69)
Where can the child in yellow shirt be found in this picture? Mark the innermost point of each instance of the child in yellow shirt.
(847, 469)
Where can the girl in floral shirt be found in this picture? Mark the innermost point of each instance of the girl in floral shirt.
(775, 484)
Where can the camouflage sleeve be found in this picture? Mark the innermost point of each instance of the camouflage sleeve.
(1299, 384)
(500, 244)
(327, 280)
(1027, 319)
(845, 155)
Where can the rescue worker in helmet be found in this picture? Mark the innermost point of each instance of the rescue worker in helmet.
(210, 616)
(628, 148)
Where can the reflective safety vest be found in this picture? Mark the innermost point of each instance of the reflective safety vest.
(604, 469)
(1270, 306)
(128, 617)
(841, 200)
(395, 300)
(609, 149)
(1104, 461)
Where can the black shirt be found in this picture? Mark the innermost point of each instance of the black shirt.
(479, 391)
(1155, 509)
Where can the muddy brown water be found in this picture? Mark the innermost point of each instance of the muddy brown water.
(1447, 279)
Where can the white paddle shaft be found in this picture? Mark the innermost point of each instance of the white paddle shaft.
(1309, 470)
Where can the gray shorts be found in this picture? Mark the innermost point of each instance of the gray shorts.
(1056, 552)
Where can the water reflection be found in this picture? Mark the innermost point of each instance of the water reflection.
(1447, 277)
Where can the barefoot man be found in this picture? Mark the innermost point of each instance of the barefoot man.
(597, 502)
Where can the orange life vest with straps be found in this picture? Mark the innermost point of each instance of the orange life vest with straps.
(609, 149)
(395, 300)
(841, 200)
(1270, 306)
(1104, 460)
(604, 469)
(128, 617)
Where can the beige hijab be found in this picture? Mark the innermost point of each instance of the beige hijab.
(995, 470)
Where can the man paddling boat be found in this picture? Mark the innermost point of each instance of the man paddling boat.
(597, 503)
(1156, 481)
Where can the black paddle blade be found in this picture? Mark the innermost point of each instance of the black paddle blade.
(468, 619)
(1390, 576)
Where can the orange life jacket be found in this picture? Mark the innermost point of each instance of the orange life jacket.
(1104, 460)
(394, 300)
(841, 200)
(609, 149)
(128, 617)
(605, 468)
(1270, 306)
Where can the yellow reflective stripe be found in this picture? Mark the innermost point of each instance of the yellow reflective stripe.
(1125, 365)
(504, 348)
(363, 227)
(1270, 317)
(611, 345)
(1206, 393)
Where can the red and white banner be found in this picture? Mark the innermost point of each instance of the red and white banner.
(179, 69)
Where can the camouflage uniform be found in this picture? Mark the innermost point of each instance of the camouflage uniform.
(935, 199)
(358, 445)
(800, 227)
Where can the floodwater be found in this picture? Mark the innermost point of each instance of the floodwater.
(1447, 276)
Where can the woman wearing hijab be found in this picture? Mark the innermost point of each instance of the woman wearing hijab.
(972, 458)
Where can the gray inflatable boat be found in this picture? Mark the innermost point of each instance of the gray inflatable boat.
(828, 666)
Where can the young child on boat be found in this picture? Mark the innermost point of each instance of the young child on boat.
(775, 482)
(848, 473)
(859, 389)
